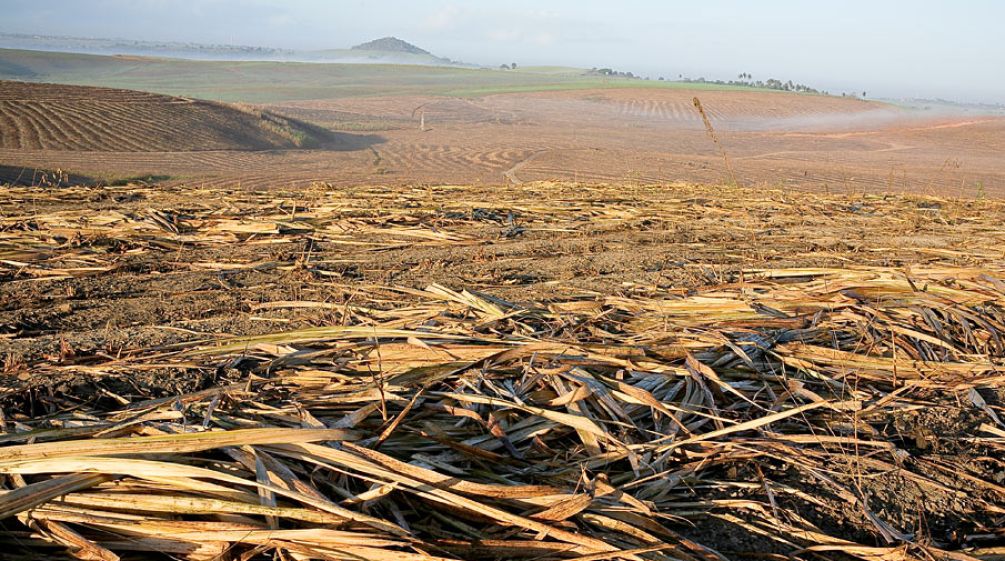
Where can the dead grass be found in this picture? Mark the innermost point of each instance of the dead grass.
(765, 415)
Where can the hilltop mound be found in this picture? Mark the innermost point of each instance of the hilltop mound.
(391, 45)
(59, 117)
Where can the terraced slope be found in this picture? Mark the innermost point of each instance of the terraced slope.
(71, 118)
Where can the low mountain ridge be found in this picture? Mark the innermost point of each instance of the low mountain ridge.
(391, 45)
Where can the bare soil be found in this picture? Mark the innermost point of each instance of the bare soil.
(60, 118)
(776, 139)
(99, 285)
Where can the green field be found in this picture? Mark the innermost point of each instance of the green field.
(270, 82)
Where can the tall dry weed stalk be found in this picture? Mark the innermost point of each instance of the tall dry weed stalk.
(715, 139)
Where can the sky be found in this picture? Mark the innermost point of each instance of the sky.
(889, 48)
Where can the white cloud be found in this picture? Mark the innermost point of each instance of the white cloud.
(504, 35)
(443, 19)
(525, 36)
(281, 20)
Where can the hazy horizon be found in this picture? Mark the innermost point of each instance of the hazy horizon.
(896, 49)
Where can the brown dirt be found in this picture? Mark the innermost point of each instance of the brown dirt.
(91, 276)
(60, 118)
(781, 140)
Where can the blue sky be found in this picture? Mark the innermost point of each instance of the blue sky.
(893, 48)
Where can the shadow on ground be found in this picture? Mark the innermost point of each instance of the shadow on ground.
(21, 175)
(320, 138)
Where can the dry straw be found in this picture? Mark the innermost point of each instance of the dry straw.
(715, 140)
(509, 435)
(446, 423)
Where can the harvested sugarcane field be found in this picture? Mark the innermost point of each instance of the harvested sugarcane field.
(307, 302)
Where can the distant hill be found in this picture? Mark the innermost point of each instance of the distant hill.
(387, 50)
(78, 118)
(94, 45)
(391, 45)
(393, 50)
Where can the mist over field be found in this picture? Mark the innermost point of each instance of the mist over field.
(896, 48)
